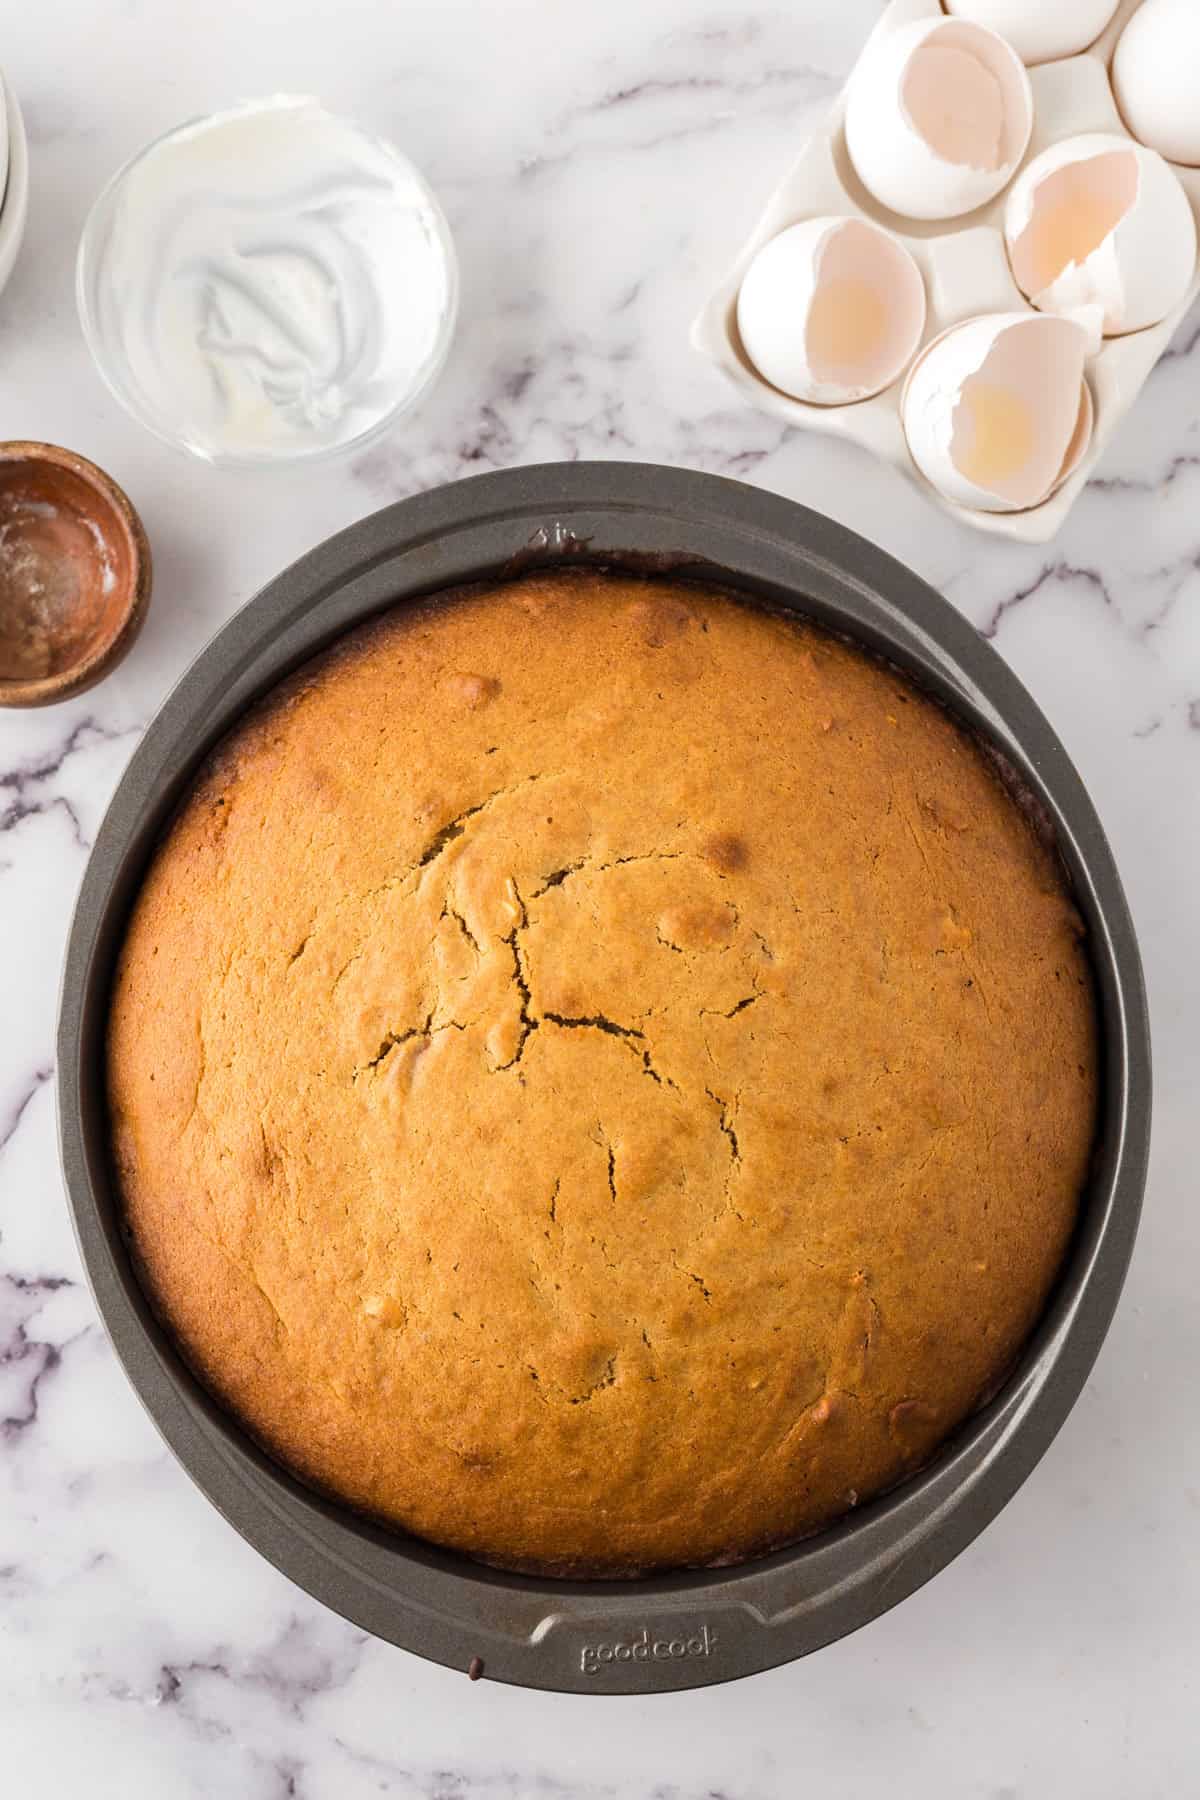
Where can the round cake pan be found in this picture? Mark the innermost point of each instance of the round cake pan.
(693, 1628)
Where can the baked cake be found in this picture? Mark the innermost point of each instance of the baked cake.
(601, 1076)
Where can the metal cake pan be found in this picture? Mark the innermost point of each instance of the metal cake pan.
(679, 1630)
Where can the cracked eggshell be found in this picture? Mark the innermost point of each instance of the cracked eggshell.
(938, 116)
(1099, 229)
(1156, 78)
(997, 411)
(1040, 30)
(832, 310)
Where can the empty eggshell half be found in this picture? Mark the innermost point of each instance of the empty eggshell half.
(938, 115)
(997, 411)
(832, 310)
(1040, 30)
(1100, 230)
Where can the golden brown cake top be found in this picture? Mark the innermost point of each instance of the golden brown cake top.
(601, 1076)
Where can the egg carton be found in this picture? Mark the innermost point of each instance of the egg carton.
(966, 271)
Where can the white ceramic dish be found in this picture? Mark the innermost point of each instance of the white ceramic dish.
(3, 142)
(966, 271)
(14, 180)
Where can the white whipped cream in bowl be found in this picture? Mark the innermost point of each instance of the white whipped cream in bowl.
(267, 285)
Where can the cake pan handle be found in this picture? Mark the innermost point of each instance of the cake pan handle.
(648, 1646)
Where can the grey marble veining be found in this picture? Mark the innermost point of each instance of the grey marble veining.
(598, 165)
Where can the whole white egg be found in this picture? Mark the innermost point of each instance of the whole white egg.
(831, 310)
(1100, 230)
(997, 411)
(1156, 77)
(938, 115)
(1039, 30)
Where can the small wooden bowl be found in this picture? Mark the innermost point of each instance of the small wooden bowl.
(75, 574)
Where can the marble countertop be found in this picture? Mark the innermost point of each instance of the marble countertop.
(598, 165)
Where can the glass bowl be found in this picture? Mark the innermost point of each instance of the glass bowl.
(267, 285)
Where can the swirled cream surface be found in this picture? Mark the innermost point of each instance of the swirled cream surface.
(267, 283)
